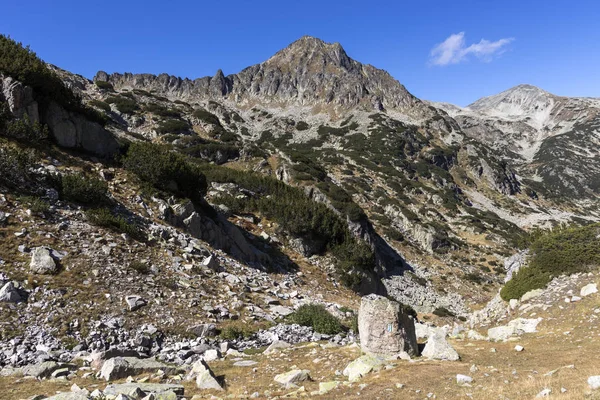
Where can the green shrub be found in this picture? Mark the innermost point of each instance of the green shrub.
(317, 317)
(100, 104)
(563, 252)
(125, 105)
(172, 126)
(84, 190)
(16, 166)
(165, 170)
(35, 204)
(443, 312)
(162, 110)
(23, 129)
(104, 217)
(139, 267)
(104, 85)
(206, 116)
(302, 126)
(237, 330)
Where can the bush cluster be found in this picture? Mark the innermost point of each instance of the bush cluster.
(16, 166)
(298, 215)
(564, 251)
(124, 104)
(317, 317)
(172, 126)
(84, 189)
(104, 217)
(165, 170)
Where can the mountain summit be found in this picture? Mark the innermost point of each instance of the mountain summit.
(309, 72)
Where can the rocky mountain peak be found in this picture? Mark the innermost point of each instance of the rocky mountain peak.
(309, 53)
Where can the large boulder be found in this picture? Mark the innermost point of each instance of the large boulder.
(42, 262)
(437, 348)
(122, 367)
(205, 379)
(385, 328)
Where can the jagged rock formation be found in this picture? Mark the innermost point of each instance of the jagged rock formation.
(306, 73)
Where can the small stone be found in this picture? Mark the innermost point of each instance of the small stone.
(519, 348)
(135, 302)
(544, 393)
(463, 380)
(9, 293)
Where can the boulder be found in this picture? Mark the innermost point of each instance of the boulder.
(385, 328)
(362, 366)
(9, 293)
(122, 367)
(45, 369)
(501, 333)
(204, 330)
(292, 377)
(532, 294)
(42, 262)
(524, 325)
(588, 289)
(276, 346)
(205, 379)
(135, 302)
(437, 348)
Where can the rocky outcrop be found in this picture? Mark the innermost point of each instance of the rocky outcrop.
(72, 130)
(385, 328)
(69, 129)
(122, 367)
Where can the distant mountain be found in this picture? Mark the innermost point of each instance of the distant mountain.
(553, 138)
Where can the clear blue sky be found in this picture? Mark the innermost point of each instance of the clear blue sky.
(551, 44)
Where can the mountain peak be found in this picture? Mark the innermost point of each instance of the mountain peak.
(312, 52)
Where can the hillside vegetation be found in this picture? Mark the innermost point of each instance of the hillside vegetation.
(564, 251)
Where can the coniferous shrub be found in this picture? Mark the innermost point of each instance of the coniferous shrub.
(165, 170)
(563, 252)
(317, 317)
(105, 218)
(124, 104)
(84, 190)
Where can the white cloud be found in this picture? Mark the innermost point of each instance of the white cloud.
(454, 50)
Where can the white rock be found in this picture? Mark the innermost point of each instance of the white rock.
(575, 298)
(211, 355)
(544, 393)
(42, 262)
(437, 348)
(292, 377)
(519, 348)
(594, 382)
(588, 289)
(463, 380)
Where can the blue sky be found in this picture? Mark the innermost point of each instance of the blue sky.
(551, 44)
